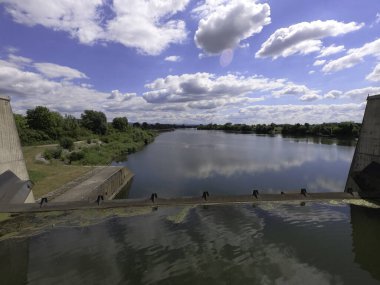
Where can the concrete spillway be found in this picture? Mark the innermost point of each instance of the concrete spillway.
(364, 175)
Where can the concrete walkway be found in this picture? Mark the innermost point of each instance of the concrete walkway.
(211, 200)
(87, 188)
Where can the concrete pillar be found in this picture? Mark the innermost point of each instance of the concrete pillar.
(365, 166)
(11, 157)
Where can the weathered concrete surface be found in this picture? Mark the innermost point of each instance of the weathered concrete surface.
(367, 149)
(107, 182)
(13, 190)
(11, 157)
(211, 200)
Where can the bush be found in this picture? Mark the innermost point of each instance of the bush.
(66, 143)
(76, 155)
(55, 153)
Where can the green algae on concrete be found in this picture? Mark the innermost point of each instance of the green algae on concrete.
(29, 224)
(180, 216)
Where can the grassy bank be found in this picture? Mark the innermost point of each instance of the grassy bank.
(48, 177)
(51, 166)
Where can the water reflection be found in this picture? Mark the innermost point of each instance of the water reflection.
(269, 244)
(365, 238)
(187, 162)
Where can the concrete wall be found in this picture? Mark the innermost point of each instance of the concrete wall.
(11, 157)
(368, 147)
(113, 184)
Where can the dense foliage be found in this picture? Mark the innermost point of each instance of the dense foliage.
(98, 142)
(344, 129)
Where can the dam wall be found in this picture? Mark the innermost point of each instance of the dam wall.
(11, 157)
(365, 167)
(107, 182)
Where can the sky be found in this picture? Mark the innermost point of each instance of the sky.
(192, 62)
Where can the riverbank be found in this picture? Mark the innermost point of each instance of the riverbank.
(51, 167)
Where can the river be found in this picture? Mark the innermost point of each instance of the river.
(263, 243)
(188, 162)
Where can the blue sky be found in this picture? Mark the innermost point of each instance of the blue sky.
(182, 61)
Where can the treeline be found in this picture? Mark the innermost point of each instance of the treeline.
(344, 129)
(101, 142)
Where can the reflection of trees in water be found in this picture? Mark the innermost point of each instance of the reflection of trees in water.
(14, 259)
(213, 245)
(366, 238)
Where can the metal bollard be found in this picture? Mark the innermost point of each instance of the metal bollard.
(100, 198)
(153, 197)
(205, 195)
(43, 200)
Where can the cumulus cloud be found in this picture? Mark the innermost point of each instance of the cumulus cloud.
(202, 85)
(305, 93)
(319, 62)
(353, 57)
(226, 24)
(145, 25)
(302, 113)
(333, 94)
(362, 93)
(375, 74)
(28, 89)
(330, 50)
(303, 38)
(52, 70)
(173, 58)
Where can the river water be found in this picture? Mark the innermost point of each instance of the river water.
(265, 243)
(188, 162)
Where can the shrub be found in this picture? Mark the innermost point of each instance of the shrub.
(76, 155)
(52, 153)
(66, 143)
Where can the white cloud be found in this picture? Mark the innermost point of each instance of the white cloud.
(144, 25)
(375, 74)
(227, 23)
(302, 113)
(52, 70)
(305, 93)
(333, 94)
(330, 50)
(173, 58)
(311, 71)
(19, 59)
(200, 86)
(310, 97)
(353, 57)
(319, 62)
(362, 93)
(303, 38)
(120, 97)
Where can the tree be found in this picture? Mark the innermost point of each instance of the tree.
(120, 123)
(70, 126)
(42, 119)
(95, 121)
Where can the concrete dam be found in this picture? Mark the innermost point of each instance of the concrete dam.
(15, 186)
(364, 175)
(362, 182)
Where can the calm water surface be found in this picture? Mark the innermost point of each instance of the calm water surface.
(243, 244)
(188, 162)
(267, 243)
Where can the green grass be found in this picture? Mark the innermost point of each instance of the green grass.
(48, 177)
